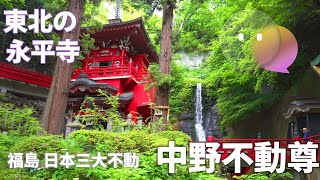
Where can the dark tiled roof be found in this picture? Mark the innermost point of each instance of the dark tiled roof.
(302, 105)
(84, 80)
(133, 28)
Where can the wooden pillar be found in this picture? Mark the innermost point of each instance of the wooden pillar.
(122, 52)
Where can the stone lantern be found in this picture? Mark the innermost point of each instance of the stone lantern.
(75, 125)
(139, 121)
(129, 122)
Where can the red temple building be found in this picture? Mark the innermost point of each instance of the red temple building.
(118, 65)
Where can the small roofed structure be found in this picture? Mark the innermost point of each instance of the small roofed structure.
(306, 114)
(305, 105)
(84, 85)
(299, 106)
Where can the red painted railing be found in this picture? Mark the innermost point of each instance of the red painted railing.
(283, 143)
(8, 71)
(101, 72)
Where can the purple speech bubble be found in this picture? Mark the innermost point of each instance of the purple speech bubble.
(286, 54)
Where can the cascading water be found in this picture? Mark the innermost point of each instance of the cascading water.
(201, 134)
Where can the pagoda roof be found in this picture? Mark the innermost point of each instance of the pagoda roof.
(134, 29)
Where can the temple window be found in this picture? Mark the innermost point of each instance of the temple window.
(96, 64)
(105, 64)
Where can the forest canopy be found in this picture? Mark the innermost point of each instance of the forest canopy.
(238, 85)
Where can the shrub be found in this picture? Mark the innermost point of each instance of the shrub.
(18, 121)
(92, 141)
(130, 141)
(266, 176)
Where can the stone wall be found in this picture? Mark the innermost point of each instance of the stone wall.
(21, 101)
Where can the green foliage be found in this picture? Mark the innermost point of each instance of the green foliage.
(266, 176)
(40, 145)
(153, 27)
(87, 44)
(95, 13)
(282, 176)
(154, 126)
(236, 83)
(184, 81)
(142, 142)
(112, 113)
(129, 141)
(91, 113)
(18, 121)
(95, 115)
(6, 38)
(156, 78)
(6, 143)
(195, 26)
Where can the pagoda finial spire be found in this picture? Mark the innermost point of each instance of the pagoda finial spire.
(118, 7)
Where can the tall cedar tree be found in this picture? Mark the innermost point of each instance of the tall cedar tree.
(163, 91)
(54, 112)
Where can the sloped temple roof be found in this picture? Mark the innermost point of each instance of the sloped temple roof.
(134, 29)
(302, 105)
(84, 83)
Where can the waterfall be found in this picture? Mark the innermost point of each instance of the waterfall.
(201, 135)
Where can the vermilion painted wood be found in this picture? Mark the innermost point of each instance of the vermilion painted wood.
(283, 143)
(123, 71)
(8, 71)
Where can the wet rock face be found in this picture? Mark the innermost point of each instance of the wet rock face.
(211, 122)
(186, 123)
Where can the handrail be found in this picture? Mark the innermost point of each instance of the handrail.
(134, 73)
(9, 71)
(263, 139)
(283, 143)
(107, 71)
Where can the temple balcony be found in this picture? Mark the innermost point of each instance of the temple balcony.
(113, 63)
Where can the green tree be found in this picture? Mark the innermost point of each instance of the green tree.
(57, 99)
(240, 87)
